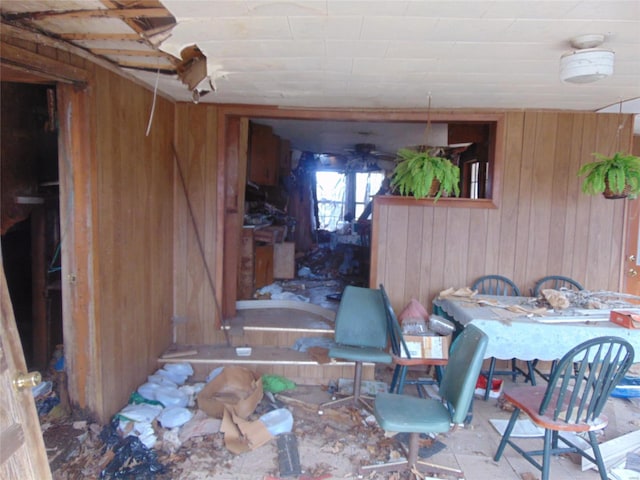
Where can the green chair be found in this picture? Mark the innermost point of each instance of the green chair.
(360, 336)
(500, 285)
(555, 282)
(413, 415)
(401, 356)
(572, 401)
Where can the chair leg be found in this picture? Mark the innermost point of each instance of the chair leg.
(354, 400)
(602, 470)
(507, 434)
(514, 370)
(394, 378)
(411, 464)
(492, 366)
(532, 374)
(546, 454)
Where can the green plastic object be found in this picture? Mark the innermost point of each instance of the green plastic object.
(136, 399)
(276, 383)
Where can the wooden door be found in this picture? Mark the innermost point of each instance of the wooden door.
(631, 264)
(22, 451)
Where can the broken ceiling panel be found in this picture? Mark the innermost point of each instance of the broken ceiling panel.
(125, 33)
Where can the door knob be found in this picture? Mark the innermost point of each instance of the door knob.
(632, 272)
(26, 380)
(631, 258)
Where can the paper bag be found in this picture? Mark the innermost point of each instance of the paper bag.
(236, 388)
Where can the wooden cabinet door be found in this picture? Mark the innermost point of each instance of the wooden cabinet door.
(264, 155)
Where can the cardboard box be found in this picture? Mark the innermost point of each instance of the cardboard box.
(496, 387)
(236, 389)
(427, 346)
(625, 318)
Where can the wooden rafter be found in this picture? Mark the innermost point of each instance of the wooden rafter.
(97, 13)
(146, 66)
(128, 52)
(26, 59)
(101, 36)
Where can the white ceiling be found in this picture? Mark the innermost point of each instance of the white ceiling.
(396, 54)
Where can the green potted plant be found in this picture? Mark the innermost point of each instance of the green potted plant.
(617, 176)
(425, 174)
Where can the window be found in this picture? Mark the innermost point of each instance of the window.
(343, 196)
(367, 185)
(330, 194)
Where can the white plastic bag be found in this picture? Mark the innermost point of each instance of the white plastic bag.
(174, 417)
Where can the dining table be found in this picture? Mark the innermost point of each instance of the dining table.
(518, 328)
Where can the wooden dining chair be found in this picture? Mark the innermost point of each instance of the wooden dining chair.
(501, 285)
(572, 401)
(360, 336)
(413, 415)
(401, 356)
(555, 282)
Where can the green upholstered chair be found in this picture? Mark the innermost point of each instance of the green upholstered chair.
(572, 401)
(360, 336)
(413, 415)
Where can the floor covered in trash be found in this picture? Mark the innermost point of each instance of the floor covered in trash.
(329, 446)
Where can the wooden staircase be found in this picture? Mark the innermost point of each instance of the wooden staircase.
(271, 328)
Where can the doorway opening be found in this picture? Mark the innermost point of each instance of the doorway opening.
(31, 235)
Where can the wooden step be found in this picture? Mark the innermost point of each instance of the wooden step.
(299, 367)
(278, 323)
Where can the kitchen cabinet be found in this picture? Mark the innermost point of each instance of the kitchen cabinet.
(264, 155)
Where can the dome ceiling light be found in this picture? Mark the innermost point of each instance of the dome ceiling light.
(586, 63)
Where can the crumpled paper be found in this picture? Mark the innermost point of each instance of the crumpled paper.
(556, 299)
(459, 292)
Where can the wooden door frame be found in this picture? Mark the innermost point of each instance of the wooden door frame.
(232, 170)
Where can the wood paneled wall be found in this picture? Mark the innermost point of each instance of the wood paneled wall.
(197, 274)
(117, 209)
(542, 225)
(133, 234)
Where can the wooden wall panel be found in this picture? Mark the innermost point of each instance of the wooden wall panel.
(196, 306)
(133, 235)
(542, 225)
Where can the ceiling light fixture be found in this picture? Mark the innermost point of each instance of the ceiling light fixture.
(587, 63)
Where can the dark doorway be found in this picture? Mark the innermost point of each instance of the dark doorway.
(31, 216)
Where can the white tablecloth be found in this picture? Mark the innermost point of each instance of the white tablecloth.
(547, 337)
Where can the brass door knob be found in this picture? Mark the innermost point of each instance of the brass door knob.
(27, 380)
(632, 272)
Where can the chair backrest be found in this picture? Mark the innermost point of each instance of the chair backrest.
(496, 285)
(361, 319)
(556, 282)
(458, 383)
(396, 339)
(584, 378)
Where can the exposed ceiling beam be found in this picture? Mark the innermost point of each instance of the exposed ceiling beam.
(19, 57)
(129, 53)
(100, 36)
(98, 13)
(147, 66)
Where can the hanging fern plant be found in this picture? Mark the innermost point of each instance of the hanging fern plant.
(424, 174)
(615, 177)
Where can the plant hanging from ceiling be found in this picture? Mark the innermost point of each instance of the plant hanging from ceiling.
(425, 172)
(616, 176)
